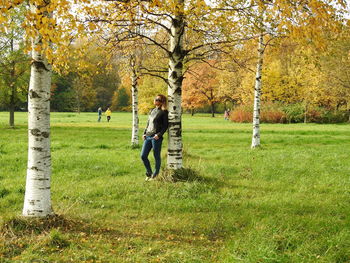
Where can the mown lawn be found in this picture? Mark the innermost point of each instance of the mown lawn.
(286, 202)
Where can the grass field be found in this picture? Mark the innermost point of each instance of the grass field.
(286, 202)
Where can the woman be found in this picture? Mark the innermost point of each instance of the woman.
(153, 135)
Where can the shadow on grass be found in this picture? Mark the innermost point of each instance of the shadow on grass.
(21, 226)
(18, 233)
(4, 192)
(53, 234)
(187, 175)
(135, 146)
(99, 146)
(2, 149)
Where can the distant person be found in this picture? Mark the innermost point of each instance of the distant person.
(108, 114)
(99, 111)
(225, 115)
(157, 125)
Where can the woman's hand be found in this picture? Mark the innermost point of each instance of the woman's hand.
(143, 137)
(156, 137)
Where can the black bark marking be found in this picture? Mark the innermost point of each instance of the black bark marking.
(179, 65)
(179, 81)
(178, 90)
(178, 133)
(34, 168)
(178, 50)
(172, 124)
(41, 179)
(33, 94)
(174, 75)
(39, 65)
(35, 132)
(39, 149)
(174, 151)
(176, 23)
(45, 134)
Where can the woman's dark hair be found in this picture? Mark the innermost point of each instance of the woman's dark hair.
(163, 101)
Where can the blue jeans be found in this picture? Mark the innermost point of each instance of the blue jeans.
(148, 144)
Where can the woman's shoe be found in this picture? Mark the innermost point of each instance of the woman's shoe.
(154, 177)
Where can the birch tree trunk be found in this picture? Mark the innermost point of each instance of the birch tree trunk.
(13, 89)
(175, 78)
(257, 94)
(12, 105)
(37, 200)
(135, 112)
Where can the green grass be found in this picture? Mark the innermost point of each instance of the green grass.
(285, 202)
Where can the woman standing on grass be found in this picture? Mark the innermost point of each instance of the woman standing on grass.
(157, 125)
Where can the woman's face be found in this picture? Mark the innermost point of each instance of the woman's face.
(158, 101)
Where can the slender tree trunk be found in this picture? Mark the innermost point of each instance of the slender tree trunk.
(13, 90)
(257, 94)
(37, 200)
(212, 106)
(12, 106)
(135, 112)
(175, 78)
(305, 113)
(78, 101)
(192, 112)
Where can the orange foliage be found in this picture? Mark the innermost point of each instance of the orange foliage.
(200, 86)
(240, 115)
(269, 115)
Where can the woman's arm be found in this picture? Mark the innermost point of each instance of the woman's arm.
(164, 124)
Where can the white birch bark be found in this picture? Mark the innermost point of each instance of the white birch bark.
(175, 78)
(135, 112)
(37, 200)
(257, 94)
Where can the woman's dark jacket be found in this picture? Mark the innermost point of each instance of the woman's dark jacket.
(160, 123)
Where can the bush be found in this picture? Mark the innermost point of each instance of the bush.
(294, 112)
(276, 116)
(314, 115)
(322, 115)
(334, 116)
(242, 113)
(270, 113)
